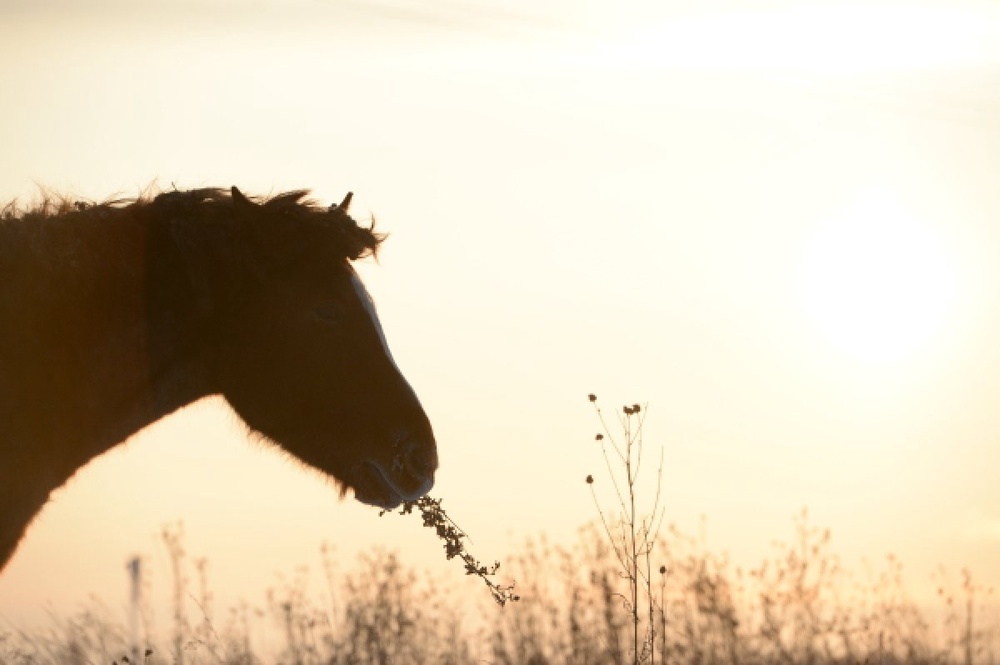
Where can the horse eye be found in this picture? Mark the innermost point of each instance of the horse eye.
(328, 313)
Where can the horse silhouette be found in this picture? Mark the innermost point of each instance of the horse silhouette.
(114, 315)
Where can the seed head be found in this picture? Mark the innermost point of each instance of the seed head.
(590, 479)
(592, 397)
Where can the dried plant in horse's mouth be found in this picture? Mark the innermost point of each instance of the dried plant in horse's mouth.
(435, 518)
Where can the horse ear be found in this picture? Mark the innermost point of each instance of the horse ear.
(345, 204)
(239, 200)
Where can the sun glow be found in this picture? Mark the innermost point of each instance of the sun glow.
(875, 282)
(824, 38)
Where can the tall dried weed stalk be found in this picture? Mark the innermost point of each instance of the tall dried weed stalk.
(631, 529)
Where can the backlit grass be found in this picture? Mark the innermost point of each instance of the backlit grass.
(800, 605)
(626, 591)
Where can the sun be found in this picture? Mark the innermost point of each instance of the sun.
(875, 282)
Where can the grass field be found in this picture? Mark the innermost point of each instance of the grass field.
(799, 606)
(627, 591)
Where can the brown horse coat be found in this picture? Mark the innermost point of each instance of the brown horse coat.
(114, 315)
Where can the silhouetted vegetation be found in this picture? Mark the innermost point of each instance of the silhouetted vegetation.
(624, 592)
(798, 606)
(436, 518)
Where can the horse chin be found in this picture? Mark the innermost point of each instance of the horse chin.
(371, 487)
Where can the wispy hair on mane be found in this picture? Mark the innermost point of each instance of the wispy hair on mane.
(53, 204)
(292, 207)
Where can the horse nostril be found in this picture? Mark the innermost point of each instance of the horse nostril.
(419, 461)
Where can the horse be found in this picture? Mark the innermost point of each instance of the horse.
(116, 314)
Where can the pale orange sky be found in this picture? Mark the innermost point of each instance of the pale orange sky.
(776, 226)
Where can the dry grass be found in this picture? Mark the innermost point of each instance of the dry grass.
(453, 537)
(622, 593)
(798, 606)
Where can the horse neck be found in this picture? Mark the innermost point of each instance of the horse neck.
(77, 375)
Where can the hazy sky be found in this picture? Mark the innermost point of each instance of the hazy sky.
(779, 226)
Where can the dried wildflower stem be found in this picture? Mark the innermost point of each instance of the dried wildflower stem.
(435, 518)
(632, 537)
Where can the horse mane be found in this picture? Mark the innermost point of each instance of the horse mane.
(339, 232)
